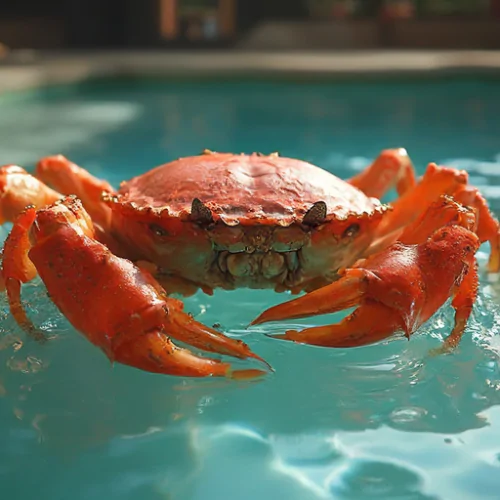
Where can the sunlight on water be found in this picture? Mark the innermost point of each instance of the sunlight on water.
(385, 421)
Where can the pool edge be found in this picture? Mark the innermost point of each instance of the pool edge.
(25, 70)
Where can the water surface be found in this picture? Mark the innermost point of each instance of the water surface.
(384, 421)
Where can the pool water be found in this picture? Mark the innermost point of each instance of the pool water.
(384, 421)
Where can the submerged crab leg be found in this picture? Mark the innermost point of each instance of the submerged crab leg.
(398, 290)
(117, 306)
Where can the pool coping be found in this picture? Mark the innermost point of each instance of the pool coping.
(24, 69)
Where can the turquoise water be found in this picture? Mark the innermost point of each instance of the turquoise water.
(383, 421)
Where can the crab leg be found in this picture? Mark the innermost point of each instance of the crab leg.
(68, 178)
(119, 307)
(392, 168)
(463, 303)
(488, 228)
(19, 189)
(398, 289)
(442, 212)
(436, 182)
(20, 268)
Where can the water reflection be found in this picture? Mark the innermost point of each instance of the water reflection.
(58, 388)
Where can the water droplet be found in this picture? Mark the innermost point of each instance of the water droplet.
(407, 414)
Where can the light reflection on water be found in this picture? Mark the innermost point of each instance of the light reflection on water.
(384, 421)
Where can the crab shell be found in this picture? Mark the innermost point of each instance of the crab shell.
(224, 220)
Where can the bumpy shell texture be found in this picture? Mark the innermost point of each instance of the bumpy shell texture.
(246, 189)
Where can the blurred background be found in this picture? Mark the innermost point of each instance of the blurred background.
(250, 24)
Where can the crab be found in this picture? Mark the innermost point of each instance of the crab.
(112, 260)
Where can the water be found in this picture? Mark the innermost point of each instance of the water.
(383, 421)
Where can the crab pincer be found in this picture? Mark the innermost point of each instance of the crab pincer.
(118, 306)
(395, 290)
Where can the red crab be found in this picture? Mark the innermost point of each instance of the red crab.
(110, 259)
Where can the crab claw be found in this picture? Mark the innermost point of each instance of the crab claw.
(154, 351)
(397, 289)
(119, 307)
(340, 295)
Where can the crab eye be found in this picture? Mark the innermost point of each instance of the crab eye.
(351, 231)
(200, 213)
(158, 230)
(316, 214)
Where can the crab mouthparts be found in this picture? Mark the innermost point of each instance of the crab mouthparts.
(268, 265)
